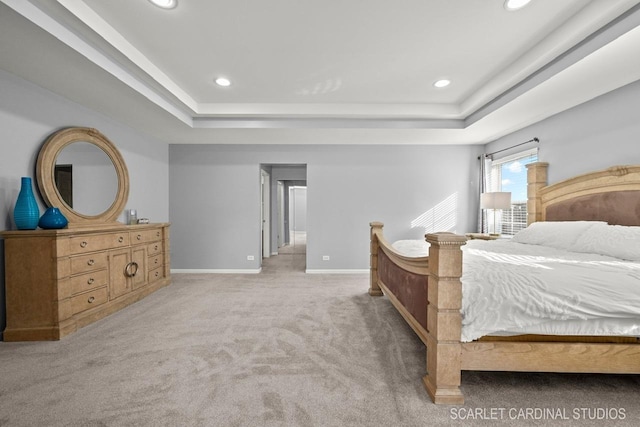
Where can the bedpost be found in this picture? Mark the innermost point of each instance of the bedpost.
(536, 179)
(374, 288)
(444, 322)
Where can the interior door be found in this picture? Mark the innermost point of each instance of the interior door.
(266, 222)
(281, 221)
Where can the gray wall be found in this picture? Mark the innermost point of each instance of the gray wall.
(28, 114)
(215, 199)
(592, 136)
(348, 186)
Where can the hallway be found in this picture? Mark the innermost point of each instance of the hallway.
(291, 258)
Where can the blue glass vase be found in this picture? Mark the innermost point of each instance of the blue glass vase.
(26, 212)
(52, 219)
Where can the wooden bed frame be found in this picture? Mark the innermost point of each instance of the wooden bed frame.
(428, 293)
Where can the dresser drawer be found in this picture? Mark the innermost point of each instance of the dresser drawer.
(154, 248)
(145, 236)
(91, 262)
(156, 274)
(87, 281)
(98, 242)
(87, 300)
(156, 261)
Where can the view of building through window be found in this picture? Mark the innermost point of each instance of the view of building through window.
(510, 174)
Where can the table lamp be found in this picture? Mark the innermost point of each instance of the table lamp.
(495, 200)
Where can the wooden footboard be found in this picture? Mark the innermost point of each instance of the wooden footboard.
(402, 279)
(428, 294)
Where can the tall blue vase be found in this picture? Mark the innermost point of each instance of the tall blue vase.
(26, 212)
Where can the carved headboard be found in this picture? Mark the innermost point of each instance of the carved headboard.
(611, 195)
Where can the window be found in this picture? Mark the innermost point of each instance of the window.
(510, 174)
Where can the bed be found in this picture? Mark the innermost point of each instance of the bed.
(596, 212)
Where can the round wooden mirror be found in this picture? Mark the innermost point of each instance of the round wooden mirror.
(83, 174)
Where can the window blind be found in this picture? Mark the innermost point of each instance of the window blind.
(510, 174)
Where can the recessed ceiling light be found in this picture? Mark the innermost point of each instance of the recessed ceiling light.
(165, 4)
(442, 83)
(221, 81)
(515, 4)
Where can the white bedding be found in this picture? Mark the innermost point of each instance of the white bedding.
(412, 248)
(511, 287)
(515, 288)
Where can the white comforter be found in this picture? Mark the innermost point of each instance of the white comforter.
(511, 287)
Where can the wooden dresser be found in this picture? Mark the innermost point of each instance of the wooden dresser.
(60, 280)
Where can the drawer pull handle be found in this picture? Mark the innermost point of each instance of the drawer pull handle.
(120, 239)
(90, 281)
(131, 269)
(91, 300)
(83, 244)
(91, 262)
(155, 248)
(139, 237)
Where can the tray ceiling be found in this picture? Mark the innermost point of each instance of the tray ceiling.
(324, 72)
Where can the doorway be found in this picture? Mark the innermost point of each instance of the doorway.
(286, 201)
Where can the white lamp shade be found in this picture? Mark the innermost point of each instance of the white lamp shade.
(495, 200)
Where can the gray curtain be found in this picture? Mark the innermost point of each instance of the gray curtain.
(485, 164)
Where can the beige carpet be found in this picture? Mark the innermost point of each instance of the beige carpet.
(281, 348)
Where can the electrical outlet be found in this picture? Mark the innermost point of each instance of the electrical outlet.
(250, 258)
(325, 257)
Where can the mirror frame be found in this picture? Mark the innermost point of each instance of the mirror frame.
(45, 168)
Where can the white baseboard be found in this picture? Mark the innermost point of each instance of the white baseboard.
(330, 271)
(258, 270)
(216, 271)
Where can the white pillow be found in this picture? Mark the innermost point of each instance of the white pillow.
(616, 241)
(556, 234)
